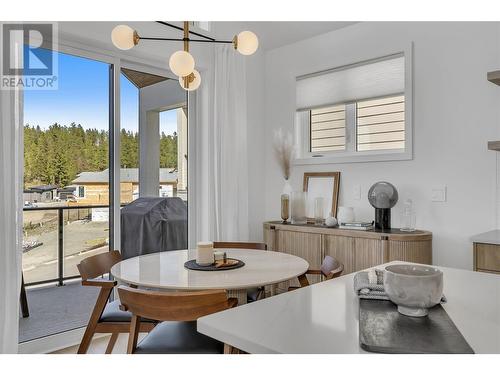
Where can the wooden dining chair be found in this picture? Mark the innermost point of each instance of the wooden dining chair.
(106, 316)
(330, 269)
(177, 311)
(253, 294)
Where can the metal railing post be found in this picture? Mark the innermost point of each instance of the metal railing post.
(60, 247)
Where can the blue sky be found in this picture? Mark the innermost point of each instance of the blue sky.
(82, 97)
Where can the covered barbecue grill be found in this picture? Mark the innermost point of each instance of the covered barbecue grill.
(151, 225)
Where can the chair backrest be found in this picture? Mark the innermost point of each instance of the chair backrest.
(173, 306)
(240, 245)
(98, 265)
(331, 268)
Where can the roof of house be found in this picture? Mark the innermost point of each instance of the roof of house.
(126, 175)
(40, 188)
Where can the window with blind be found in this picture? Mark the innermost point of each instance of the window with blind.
(328, 128)
(359, 112)
(380, 124)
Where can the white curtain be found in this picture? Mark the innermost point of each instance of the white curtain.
(11, 177)
(221, 139)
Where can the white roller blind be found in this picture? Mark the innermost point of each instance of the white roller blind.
(360, 81)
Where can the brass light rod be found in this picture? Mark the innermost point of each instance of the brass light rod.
(188, 39)
(182, 29)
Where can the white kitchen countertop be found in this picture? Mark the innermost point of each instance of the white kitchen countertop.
(491, 237)
(323, 318)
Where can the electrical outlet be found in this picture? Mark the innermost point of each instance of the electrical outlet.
(438, 194)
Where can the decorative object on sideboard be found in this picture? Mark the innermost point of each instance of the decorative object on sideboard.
(181, 62)
(285, 208)
(283, 150)
(298, 205)
(322, 185)
(345, 215)
(357, 225)
(319, 216)
(330, 221)
(408, 217)
(383, 196)
(415, 289)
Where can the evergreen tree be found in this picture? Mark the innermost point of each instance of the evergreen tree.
(58, 154)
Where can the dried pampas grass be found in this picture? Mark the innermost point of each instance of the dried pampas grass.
(283, 149)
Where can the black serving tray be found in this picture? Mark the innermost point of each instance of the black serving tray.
(382, 329)
(192, 265)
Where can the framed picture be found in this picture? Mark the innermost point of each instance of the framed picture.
(324, 185)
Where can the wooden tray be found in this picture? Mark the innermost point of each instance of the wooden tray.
(382, 329)
(192, 265)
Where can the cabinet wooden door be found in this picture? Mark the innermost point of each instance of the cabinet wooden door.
(303, 245)
(368, 253)
(342, 249)
(487, 257)
(411, 251)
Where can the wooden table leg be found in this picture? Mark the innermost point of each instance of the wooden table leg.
(24, 300)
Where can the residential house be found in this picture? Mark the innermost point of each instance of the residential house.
(41, 193)
(92, 188)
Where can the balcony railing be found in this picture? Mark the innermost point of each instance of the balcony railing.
(43, 254)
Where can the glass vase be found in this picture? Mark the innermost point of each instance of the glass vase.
(408, 217)
(298, 204)
(319, 214)
(285, 208)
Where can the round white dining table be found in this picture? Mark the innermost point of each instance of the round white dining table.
(165, 270)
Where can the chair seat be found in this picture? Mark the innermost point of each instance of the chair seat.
(178, 338)
(112, 313)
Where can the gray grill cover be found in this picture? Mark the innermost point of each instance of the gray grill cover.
(151, 225)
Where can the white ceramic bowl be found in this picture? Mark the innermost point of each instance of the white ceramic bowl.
(414, 288)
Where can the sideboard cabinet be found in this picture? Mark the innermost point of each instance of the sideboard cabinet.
(356, 249)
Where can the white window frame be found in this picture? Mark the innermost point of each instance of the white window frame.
(350, 154)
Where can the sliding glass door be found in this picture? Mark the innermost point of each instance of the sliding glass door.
(67, 191)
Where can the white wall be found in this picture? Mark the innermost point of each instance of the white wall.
(456, 112)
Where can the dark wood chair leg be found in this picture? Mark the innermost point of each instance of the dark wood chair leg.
(111, 343)
(24, 300)
(102, 299)
(303, 280)
(134, 334)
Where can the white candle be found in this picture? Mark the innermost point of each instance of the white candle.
(205, 253)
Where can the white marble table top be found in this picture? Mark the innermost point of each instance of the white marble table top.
(166, 270)
(323, 318)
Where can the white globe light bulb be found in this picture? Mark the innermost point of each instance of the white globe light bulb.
(181, 63)
(124, 37)
(193, 84)
(247, 43)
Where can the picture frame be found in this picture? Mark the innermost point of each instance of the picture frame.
(325, 185)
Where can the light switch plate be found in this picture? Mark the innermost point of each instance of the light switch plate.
(438, 194)
(356, 192)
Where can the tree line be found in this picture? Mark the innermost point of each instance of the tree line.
(58, 154)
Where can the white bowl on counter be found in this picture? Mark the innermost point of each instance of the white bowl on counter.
(414, 288)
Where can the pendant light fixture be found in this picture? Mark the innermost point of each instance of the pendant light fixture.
(181, 62)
